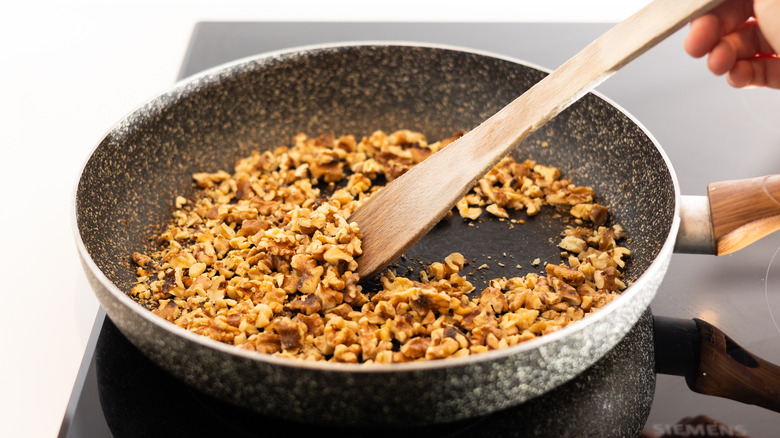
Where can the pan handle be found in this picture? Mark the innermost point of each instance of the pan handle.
(744, 211)
(733, 215)
(713, 364)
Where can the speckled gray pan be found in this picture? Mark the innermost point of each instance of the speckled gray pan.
(130, 182)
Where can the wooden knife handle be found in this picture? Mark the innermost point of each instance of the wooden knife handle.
(743, 211)
(727, 370)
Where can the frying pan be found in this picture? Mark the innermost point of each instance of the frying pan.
(206, 122)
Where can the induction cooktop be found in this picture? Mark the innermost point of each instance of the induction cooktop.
(709, 131)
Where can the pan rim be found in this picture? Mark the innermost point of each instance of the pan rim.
(183, 87)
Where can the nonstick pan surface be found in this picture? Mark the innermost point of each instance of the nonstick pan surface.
(130, 182)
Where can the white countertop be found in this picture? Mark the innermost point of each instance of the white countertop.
(69, 71)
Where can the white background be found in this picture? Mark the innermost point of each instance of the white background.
(68, 71)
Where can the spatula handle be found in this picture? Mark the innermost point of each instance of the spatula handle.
(582, 73)
(743, 211)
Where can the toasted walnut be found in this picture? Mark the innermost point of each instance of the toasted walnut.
(445, 348)
(497, 211)
(466, 211)
(310, 278)
(290, 332)
(308, 305)
(549, 174)
(532, 205)
(569, 275)
(167, 310)
(207, 180)
(455, 262)
(141, 259)
(334, 255)
(415, 348)
(573, 244)
(566, 292)
(598, 215)
(266, 342)
(494, 300)
(520, 318)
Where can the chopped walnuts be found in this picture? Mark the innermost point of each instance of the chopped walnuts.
(263, 260)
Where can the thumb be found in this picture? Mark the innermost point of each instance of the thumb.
(767, 14)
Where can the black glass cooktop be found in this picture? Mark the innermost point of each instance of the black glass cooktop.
(120, 393)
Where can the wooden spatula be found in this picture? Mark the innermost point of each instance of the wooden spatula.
(398, 215)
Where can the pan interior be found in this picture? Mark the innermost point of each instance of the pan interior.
(129, 184)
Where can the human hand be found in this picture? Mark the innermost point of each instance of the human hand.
(742, 38)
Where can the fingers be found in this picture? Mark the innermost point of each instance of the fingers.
(707, 30)
(756, 72)
(743, 43)
(704, 34)
(739, 45)
(741, 75)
